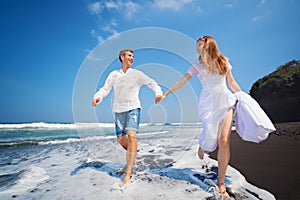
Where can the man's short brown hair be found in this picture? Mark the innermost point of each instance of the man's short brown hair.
(123, 52)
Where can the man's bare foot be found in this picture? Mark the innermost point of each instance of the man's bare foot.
(122, 171)
(127, 177)
(200, 153)
(222, 189)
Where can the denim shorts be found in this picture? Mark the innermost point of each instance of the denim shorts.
(128, 120)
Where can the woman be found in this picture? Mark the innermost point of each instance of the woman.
(217, 103)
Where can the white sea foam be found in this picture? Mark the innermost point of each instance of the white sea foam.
(91, 138)
(61, 125)
(44, 125)
(72, 140)
(28, 180)
(37, 125)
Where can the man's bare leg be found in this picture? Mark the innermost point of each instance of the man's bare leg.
(130, 154)
(123, 141)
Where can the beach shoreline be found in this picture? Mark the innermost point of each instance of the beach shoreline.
(84, 168)
(271, 164)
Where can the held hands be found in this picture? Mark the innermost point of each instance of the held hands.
(159, 98)
(95, 102)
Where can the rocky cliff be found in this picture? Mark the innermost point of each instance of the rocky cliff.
(279, 93)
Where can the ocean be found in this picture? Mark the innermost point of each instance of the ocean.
(80, 161)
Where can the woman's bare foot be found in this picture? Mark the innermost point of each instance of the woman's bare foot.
(222, 189)
(200, 153)
(127, 177)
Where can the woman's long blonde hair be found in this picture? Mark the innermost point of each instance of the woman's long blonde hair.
(211, 57)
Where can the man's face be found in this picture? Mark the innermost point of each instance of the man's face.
(128, 58)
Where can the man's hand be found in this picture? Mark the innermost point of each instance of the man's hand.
(95, 101)
(158, 98)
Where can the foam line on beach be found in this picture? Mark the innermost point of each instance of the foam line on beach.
(44, 125)
(64, 141)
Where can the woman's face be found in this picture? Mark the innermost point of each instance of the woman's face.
(200, 45)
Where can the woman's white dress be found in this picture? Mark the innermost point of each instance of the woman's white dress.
(252, 124)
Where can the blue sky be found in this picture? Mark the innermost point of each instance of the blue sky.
(45, 43)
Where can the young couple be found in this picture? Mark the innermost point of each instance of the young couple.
(216, 104)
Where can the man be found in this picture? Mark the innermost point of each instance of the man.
(126, 104)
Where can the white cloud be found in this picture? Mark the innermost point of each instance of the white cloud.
(263, 16)
(262, 2)
(112, 5)
(228, 5)
(93, 32)
(171, 4)
(119, 10)
(98, 37)
(114, 22)
(125, 8)
(110, 30)
(95, 8)
(256, 18)
(199, 9)
(130, 8)
(92, 57)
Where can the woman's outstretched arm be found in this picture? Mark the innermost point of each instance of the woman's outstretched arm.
(178, 84)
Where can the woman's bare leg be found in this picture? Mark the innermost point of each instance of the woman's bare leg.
(200, 153)
(224, 150)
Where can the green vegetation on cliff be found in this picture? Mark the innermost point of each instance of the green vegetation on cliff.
(279, 92)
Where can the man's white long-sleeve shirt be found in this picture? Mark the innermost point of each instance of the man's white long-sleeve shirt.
(126, 89)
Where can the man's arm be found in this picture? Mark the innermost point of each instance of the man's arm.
(96, 101)
(152, 84)
(104, 91)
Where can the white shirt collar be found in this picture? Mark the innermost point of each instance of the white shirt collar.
(122, 72)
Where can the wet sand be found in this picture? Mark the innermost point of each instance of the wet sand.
(273, 164)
